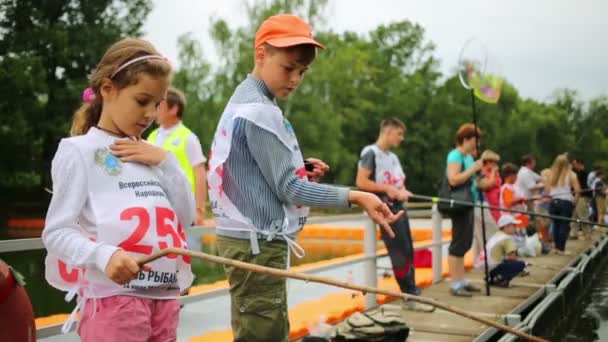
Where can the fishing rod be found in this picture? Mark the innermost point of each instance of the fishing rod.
(435, 200)
(329, 281)
(538, 197)
(484, 239)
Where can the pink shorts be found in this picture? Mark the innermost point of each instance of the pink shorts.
(129, 319)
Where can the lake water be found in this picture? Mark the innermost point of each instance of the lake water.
(590, 323)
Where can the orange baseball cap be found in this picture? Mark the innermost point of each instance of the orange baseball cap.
(284, 30)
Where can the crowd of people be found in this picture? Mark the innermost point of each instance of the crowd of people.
(564, 190)
(117, 198)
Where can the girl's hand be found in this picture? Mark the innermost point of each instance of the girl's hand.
(122, 268)
(138, 151)
(376, 209)
(200, 216)
(477, 166)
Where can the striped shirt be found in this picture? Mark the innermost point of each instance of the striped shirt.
(259, 176)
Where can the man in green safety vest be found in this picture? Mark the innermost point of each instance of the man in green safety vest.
(173, 136)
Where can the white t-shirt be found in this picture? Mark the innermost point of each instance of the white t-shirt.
(526, 181)
(590, 179)
(194, 151)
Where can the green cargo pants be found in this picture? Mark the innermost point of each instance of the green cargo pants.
(258, 301)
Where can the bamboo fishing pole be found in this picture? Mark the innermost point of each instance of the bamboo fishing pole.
(328, 281)
(484, 238)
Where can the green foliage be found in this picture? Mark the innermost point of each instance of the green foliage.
(47, 50)
(391, 71)
(357, 81)
(587, 123)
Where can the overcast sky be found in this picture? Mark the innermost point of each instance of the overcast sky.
(541, 45)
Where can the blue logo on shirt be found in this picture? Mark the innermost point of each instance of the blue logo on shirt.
(105, 159)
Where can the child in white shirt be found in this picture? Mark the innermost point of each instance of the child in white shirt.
(117, 198)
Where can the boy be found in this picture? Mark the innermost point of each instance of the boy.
(502, 259)
(512, 197)
(380, 172)
(258, 181)
(173, 135)
(527, 179)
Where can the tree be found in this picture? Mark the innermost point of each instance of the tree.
(337, 109)
(195, 79)
(361, 79)
(48, 49)
(587, 124)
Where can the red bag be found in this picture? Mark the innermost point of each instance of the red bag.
(423, 258)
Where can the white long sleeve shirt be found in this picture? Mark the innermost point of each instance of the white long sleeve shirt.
(100, 204)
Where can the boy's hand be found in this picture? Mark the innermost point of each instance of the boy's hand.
(393, 193)
(404, 195)
(200, 216)
(122, 268)
(319, 169)
(138, 151)
(376, 209)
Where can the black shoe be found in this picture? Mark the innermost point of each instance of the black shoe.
(415, 291)
(501, 283)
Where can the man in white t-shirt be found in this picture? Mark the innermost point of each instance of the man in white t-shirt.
(591, 176)
(174, 136)
(380, 172)
(528, 181)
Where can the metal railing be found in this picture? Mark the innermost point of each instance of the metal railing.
(368, 260)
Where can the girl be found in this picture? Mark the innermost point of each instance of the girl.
(491, 173)
(117, 198)
(489, 183)
(559, 187)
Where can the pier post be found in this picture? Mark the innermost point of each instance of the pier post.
(437, 248)
(369, 265)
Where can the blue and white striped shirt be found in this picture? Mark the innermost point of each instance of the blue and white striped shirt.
(259, 175)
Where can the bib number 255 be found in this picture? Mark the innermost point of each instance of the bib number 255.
(165, 229)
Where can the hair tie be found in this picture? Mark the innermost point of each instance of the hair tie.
(88, 95)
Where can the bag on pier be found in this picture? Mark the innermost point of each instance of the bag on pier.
(384, 323)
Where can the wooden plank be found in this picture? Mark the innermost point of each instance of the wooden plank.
(444, 326)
